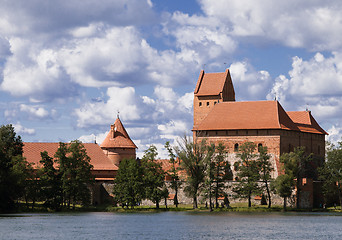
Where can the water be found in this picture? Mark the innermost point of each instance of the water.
(171, 225)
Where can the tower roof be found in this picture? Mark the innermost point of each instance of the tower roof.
(306, 122)
(118, 137)
(211, 84)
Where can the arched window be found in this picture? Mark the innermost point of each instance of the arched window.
(236, 147)
(200, 104)
(207, 103)
(259, 146)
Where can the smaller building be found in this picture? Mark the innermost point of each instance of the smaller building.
(118, 145)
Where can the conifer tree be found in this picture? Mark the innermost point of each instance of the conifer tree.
(11, 147)
(222, 172)
(50, 182)
(248, 172)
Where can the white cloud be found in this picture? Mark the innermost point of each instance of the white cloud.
(309, 24)
(34, 111)
(92, 137)
(249, 84)
(335, 134)
(21, 130)
(123, 100)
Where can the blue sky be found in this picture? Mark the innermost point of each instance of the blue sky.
(66, 69)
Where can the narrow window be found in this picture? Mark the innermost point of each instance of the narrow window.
(207, 103)
(200, 104)
(214, 103)
(236, 147)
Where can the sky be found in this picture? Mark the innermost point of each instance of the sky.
(69, 67)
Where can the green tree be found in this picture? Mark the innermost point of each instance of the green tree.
(248, 172)
(283, 186)
(193, 157)
(331, 172)
(175, 183)
(266, 168)
(128, 184)
(154, 176)
(26, 179)
(295, 166)
(75, 170)
(50, 182)
(221, 172)
(11, 147)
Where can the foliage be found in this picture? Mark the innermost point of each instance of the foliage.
(283, 186)
(266, 168)
(75, 171)
(50, 182)
(175, 183)
(331, 173)
(128, 184)
(295, 165)
(153, 176)
(11, 148)
(221, 172)
(248, 172)
(193, 157)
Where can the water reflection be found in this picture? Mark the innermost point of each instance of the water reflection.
(171, 225)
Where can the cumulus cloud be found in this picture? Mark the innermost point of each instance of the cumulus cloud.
(21, 130)
(315, 25)
(249, 84)
(315, 83)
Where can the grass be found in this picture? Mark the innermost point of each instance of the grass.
(235, 207)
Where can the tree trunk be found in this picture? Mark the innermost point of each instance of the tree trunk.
(298, 193)
(157, 204)
(340, 194)
(249, 199)
(268, 195)
(175, 200)
(216, 195)
(195, 201)
(285, 204)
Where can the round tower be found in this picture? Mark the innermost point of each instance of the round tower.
(118, 145)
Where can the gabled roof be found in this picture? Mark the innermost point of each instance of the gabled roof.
(247, 115)
(210, 84)
(32, 150)
(306, 122)
(118, 137)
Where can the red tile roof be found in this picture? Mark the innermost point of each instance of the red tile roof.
(247, 115)
(31, 151)
(306, 122)
(210, 84)
(118, 137)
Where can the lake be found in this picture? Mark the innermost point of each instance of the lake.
(171, 225)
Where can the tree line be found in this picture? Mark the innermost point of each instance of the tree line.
(207, 172)
(61, 182)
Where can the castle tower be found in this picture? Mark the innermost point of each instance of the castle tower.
(211, 88)
(118, 145)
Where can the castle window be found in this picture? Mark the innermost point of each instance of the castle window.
(214, 103)
(200, 104)
(259, 146)
(236, 147)
(207, 103)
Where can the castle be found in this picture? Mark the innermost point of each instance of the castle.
(217, 118)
